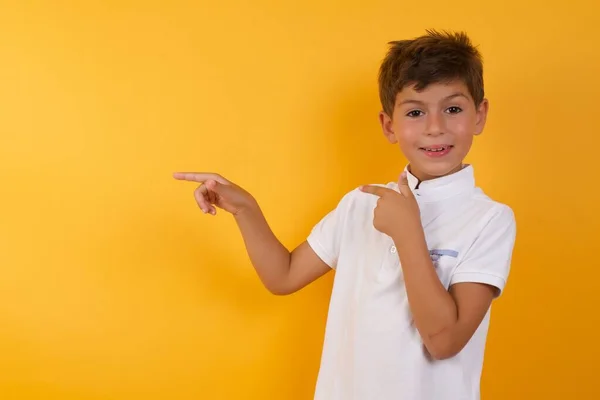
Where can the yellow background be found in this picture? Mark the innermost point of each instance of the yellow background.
(114, 286)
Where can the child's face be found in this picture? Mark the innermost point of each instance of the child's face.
(435, 127)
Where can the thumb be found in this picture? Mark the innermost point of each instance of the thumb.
(222, 189)
(214, 186)
(403, 185)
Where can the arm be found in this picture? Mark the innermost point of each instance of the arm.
(280, 271)
(446, 320)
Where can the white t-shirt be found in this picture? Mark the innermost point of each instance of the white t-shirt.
(372, 350)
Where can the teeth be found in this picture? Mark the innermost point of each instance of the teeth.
(436, 149)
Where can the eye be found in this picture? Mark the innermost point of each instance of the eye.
(454, 110)
(414, 113)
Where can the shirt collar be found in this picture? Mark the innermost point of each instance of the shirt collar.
(460, 182)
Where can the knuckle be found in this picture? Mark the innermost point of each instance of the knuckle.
(200, 190)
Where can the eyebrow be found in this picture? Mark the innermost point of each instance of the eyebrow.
(413, 101)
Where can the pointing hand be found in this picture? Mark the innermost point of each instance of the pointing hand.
(396, 214)
(216, 191)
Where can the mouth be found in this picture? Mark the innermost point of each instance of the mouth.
(436, 150)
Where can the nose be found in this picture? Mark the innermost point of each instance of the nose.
(434, 125)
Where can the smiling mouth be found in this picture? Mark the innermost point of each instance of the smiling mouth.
(436, 149)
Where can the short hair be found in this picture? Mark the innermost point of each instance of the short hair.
(437, 57)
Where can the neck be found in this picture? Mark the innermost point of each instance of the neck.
(422, 176)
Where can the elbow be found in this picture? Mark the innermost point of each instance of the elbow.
(279, 291)
(442, 347)
(441, 353)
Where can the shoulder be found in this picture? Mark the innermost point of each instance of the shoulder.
(493, 211)
(491, 223)
(490, 234)
(356, 206)
(356, 199)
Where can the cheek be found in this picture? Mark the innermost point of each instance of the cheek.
(461, 127)
(408, 132)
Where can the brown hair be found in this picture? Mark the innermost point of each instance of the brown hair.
(432, 58)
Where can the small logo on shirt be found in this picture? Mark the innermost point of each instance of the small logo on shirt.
(435, 255)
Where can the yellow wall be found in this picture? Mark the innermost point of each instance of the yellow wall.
(114, 286)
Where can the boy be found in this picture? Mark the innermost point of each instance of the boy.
(418, 262)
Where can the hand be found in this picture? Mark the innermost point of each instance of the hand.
(216, 191)
(397, 214)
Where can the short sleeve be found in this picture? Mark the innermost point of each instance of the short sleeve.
(488, 260)
(326, 236)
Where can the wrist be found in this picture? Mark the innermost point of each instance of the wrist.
(251, 208)
(410, 239)
(414, 253)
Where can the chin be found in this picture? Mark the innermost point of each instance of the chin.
(435, 170)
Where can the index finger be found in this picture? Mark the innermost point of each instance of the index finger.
(199, 177)
(374, 189)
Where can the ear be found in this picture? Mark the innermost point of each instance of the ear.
(387, 127)
(482, 112)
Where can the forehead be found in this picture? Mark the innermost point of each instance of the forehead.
(433, 93)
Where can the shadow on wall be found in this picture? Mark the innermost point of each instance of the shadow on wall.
(354, 152)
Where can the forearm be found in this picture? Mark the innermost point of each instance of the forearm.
(268, 255)
(433, 308)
